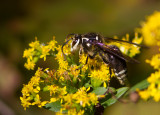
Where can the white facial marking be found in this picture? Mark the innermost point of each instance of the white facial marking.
(75, 46)
(85, 39)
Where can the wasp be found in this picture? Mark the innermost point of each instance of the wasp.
(94, 44)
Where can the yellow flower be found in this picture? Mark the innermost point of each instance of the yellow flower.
(53, 89)
(28, 53)
(102, 73)
(61, 71)
(52, 100)
(74, 70)
(29, 88)
(56, 89)
(25, 102)
(83, 99)
(52, 44)
(38, 72)
(154, 78)
(30, 64)
(63, 65)
(59, 113)
(35, 44)
(75, 112)
(104, 84)
(60, 58)
(68, 99)
(43, 103)
(153, 89)
(144, 94)
(35, 80)
(82, 58)
(157, 96)
(63, 91)
(38, 102)
(133, 48)
(67, 48)
(137, 40)
(93, 98)
(151, 29)
(45, 52)
(155, 61)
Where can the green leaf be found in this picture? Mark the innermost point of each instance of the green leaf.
(55, 106)
(141, 85)
(96, 82)
(45, 88)
(111, 100)
(99, 90)
(35, 59)
(87, 85)
(71, 89)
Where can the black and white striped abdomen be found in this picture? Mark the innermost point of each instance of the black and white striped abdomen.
(118, 65)
(121, 75)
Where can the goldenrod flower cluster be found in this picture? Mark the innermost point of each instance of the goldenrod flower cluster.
(70, 86)
(153, 89)
(151, 32)
(31, 91)
(151, 29)
(60, 84)
(37, 51)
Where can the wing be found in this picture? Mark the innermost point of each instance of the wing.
(106, 39)
(114, 52)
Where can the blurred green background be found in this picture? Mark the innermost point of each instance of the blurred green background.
(22, 20)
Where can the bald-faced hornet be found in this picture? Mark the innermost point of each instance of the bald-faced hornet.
(93, 44)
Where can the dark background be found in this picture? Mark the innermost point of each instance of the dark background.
(22, 20)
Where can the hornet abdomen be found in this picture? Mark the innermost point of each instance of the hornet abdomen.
(118, 65)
